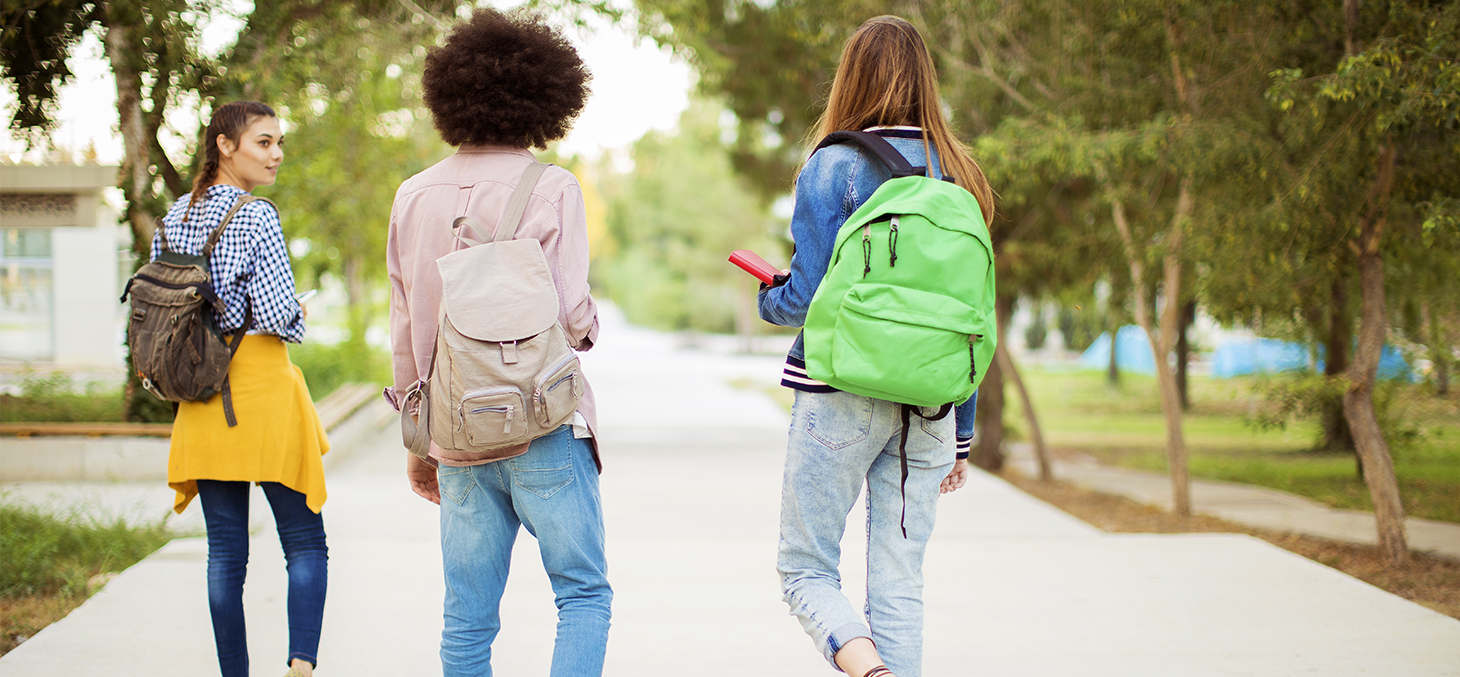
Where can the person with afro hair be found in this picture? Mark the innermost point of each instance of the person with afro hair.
(500, 85)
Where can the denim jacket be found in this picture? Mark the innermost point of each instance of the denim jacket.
(833, 184)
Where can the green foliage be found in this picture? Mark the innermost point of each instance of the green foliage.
(673, 221)
(327, 367)
(47, 554)
(358, 127)
(1080, 326)
(54, 398)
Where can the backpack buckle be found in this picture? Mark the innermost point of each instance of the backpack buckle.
(509, 352)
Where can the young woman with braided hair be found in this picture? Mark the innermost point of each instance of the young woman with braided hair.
(277, 441)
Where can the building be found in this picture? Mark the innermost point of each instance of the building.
(60, 252)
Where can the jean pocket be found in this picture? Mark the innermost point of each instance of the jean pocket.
(547, 467)
(455, 483)
(940, 429)
(838, 420)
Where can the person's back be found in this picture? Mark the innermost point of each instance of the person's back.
(494, 109)
(839, 441)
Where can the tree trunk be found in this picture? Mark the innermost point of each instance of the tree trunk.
(1439, 353)
(1336, 435)
(1183, 353)
(1112, 373)
(1358, 398)
(1161, 341)
(1036, 437)
(990, 416)
(135, 180)
(745, 316)
(358, 297)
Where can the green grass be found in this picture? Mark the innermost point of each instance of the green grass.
(52, 398)
(1123, 425)
(49, 554)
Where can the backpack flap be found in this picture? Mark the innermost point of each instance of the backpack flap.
(498, 291)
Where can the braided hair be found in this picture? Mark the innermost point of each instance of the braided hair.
(229, 120)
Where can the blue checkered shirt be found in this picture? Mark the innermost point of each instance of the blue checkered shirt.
(250, 261)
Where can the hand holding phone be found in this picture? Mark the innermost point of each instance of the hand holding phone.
(752, 263)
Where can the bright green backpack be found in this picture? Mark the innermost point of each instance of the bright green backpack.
(906, 310)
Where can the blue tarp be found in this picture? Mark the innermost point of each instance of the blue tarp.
(1233, 358)
(1258, 356)
(1268, 356)
(1133, 352)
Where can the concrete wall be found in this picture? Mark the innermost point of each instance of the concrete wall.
(84, 280)
(85, 240)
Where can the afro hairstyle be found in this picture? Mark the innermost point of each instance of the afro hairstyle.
(505, 80)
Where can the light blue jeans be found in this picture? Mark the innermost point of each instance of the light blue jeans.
(838, 442)
(553, 491)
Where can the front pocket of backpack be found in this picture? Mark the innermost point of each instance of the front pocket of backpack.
(558, 394)
(905, 344)
(493, 417)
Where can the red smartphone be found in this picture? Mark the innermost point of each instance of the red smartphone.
(752, 263)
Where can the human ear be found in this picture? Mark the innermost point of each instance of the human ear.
(226, 146)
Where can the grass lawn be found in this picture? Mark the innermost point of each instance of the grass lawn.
(1080, 412)
(53, 563)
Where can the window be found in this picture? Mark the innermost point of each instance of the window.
(26, 294)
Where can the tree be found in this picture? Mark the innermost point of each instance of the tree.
(672, 221)
(152, 47)
(1398, 81)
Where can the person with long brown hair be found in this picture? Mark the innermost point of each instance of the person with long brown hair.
(274, 437)
(885, 84)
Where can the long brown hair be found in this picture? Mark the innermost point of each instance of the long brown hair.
(886, 78)
(230, 120)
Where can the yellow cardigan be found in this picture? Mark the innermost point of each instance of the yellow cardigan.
(278, 437)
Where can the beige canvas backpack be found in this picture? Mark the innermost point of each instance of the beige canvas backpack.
(502, 372)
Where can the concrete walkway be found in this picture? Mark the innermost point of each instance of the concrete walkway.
(1243, 503)
(691, 492)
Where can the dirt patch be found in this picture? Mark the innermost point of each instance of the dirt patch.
(22, 617)
(1432, 582)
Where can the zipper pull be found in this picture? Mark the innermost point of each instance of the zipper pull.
(507, 429)
(972, 363)
(866, 250)
(892, 245)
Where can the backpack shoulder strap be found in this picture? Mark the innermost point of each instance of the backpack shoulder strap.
(878, 146)
(218, 232)
(512, 216)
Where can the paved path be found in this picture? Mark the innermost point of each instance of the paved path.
(1243, 503)
(1014, 587)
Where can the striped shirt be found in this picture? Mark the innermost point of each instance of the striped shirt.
(250, 263)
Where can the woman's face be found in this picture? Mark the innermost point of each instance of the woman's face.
(254, 160)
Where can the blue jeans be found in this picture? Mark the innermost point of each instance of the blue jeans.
(839, 441)
(301, 532)
(553, 491)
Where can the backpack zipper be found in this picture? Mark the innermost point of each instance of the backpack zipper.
(505, 409)
(892, 245)
(866, 250)
(539, 395)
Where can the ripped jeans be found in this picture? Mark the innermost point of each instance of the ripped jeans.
(838, 442)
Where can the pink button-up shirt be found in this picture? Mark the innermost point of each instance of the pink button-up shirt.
(478, 181)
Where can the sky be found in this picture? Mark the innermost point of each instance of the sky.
(636, 87)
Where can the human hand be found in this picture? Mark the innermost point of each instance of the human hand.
(956, 478)
(422, 477)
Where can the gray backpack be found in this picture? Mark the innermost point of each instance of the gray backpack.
(502, 372)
